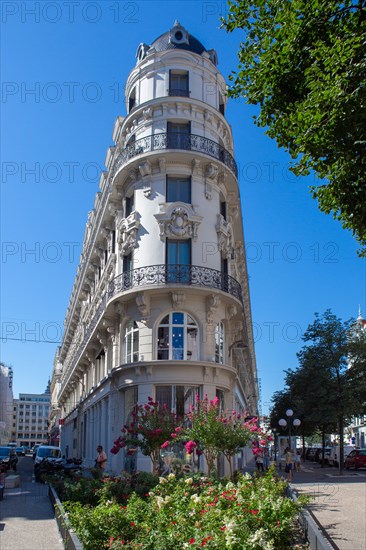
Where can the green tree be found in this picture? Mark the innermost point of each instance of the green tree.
(151, 424)
(356, 374)
(303, 63)
(324, 358)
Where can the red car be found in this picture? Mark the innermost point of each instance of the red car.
(356, 459)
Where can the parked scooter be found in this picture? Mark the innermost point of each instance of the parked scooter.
(48, 467)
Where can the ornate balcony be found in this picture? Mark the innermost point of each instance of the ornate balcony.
(172, 140)
(161, 275)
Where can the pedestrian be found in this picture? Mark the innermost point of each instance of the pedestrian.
(297, 461)
(288, 467)
(101, 460)
(259, 461)
(266, 458)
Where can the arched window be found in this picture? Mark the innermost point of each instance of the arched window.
(131, 342)
(219, 343)
(178, 337)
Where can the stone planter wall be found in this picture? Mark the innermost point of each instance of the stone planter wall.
(69, 538)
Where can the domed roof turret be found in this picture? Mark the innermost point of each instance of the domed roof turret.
(177, 38)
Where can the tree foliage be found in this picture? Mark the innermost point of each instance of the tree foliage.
(303, 62)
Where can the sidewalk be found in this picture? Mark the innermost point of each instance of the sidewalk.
(338, 503)
(27, 519)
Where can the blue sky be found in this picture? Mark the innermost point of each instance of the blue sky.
(64, 65)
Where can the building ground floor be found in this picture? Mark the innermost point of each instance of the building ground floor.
(100, 417)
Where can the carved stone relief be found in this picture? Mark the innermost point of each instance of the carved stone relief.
(224, 236)
(178, 220)
(128, 229)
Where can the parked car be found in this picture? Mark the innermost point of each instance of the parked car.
(53, 454)
(312, 453)
(356, 459)
(20, 451)
(319, 455)
(8, 458)
(334, 454)
(34, 450)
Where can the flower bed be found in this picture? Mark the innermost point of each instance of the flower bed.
(252, 513)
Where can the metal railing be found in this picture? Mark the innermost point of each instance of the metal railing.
(174, 140)
(163, 274)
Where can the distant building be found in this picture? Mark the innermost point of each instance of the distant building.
(55, 411)
(32, 416)
(160, 305)
(356, 431)
(6, 404)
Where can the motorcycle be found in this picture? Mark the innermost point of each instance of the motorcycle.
(48, 466)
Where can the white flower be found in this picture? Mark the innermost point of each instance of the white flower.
(163, 480)
(188, 481)
(160, 502)
(196, 498)
(259, 538)
(171, 476)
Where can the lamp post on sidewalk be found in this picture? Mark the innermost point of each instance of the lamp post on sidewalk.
(289, 422)
(275, 443)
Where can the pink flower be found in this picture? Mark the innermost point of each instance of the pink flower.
(173, 435)
(165, 445)
(190, 446)
(179, 430)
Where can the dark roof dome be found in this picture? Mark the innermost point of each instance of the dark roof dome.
(176, 39)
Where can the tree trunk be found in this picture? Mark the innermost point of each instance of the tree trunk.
(323, 446)
(341, 446)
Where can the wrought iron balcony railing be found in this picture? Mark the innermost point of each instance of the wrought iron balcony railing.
(161, 275)
(173, 140)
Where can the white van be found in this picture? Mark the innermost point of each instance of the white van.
(53, 454)
(334, 454)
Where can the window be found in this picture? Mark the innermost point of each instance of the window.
(177, 337)
(127, 268)
(130, 401)
(219, 343)
(178, 83)
(223, 209)
(224, 274)
(179, 135)
(129, 205)
(132, 100)
(131, 342)
(178, 261)
(221, 397)
(221, 105)
(178, 399)
(178, 189)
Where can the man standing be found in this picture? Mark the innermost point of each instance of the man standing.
(101, 460)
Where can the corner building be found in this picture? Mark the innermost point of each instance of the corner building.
(160, 305)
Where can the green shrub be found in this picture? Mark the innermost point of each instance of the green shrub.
(251, 514)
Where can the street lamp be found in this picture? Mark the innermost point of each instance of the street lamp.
(274, 430)
(295, 422)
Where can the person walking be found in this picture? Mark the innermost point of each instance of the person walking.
(297, 461)
(259, 461)
(101, 460)
(288, 467)
(266, 458)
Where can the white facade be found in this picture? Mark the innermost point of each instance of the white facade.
(160, 305)
(32, 413)
(6, 404)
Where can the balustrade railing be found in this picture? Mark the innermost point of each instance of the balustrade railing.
(174, 140)
(160, 275)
